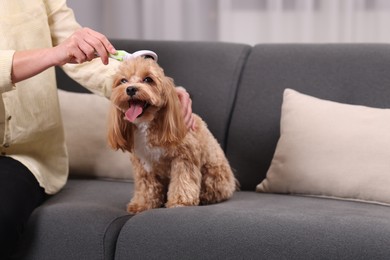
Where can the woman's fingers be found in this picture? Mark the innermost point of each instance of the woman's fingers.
(84, 44)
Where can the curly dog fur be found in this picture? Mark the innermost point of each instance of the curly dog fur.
(173, 165)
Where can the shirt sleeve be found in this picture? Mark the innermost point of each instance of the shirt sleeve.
(6, 57)
(61, 20)
(94, 75)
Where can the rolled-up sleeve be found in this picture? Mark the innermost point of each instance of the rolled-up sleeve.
(6, 57)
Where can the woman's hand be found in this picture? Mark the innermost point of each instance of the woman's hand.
(186, 103)
(83, 45)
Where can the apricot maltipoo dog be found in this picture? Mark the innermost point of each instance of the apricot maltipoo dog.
(173, 165)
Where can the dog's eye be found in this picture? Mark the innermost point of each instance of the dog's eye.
(148, 80)
(123, 81)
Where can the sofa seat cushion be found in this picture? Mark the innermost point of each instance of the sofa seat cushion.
(260, 226)
(80, 222)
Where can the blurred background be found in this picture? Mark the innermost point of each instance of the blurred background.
(242, 21)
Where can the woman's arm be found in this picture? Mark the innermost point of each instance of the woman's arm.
(81, 46)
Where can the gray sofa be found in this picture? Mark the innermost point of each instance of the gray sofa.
(237, 89)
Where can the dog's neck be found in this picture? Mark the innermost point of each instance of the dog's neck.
(147, 153)
(142, 127)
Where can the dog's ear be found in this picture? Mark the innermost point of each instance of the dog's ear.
(120, 133)
(170, 120)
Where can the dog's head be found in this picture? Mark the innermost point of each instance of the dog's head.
(141, 93)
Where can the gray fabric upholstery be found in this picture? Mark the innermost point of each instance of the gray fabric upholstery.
(260, 226)
(349, 73)
(237, 89)
(81, 222)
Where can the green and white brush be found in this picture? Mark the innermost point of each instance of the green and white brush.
(121, 55)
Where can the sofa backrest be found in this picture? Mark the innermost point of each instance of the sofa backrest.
(209, 71)
(238, 89)
(348, 73)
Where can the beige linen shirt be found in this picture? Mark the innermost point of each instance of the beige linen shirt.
(31, 129)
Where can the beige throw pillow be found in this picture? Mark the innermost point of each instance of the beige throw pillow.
(331, 149)
(85, 118)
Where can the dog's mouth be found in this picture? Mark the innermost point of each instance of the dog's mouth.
(136, 109)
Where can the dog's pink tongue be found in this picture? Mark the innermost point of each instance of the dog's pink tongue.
(133, 112)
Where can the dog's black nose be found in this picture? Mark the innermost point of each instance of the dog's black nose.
(131, 91)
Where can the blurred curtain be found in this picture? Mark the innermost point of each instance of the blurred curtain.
(305, 20)
(247, 21)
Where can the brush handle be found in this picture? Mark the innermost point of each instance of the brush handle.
(122, 55)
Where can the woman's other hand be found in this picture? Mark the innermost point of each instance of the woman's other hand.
(186, 103)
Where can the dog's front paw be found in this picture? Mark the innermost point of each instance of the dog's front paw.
(135, 208)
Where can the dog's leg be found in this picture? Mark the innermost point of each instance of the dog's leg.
(184, 186)
(218, 183)
(149, 190)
